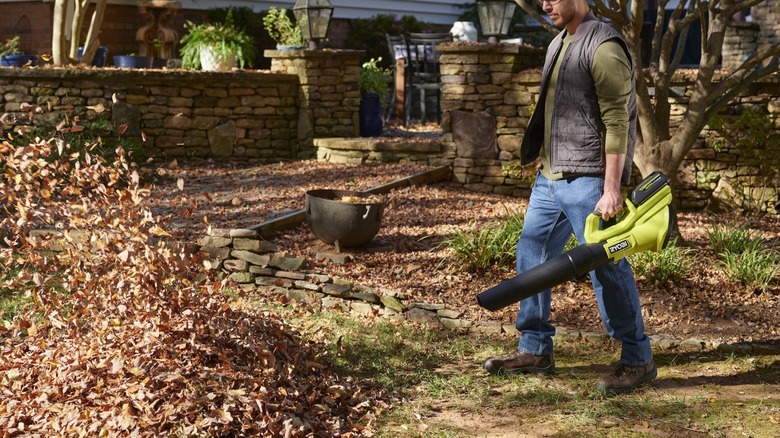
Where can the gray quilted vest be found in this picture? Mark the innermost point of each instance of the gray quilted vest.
(577, 133)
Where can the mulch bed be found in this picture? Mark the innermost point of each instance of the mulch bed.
(406, 256)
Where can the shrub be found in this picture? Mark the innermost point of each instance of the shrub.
(672, 264)
(484, 246)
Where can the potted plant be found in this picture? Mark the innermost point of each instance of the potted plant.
(11, 57)
(281, 29)
(373, 97)
(216, 46)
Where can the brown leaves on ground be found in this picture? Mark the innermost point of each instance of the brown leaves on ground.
(129, 334)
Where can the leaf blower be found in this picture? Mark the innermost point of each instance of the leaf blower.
(643, 225)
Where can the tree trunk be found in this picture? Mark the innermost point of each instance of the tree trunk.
(58, 43)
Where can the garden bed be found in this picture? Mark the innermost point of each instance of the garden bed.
(406, 257)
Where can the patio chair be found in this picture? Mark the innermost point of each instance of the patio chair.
(423, 72)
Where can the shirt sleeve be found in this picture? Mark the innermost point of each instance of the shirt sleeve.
(612, 76)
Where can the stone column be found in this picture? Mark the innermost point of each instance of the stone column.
(329, 92)
(739, 42)
(487, 97)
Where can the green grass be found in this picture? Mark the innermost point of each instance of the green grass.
(443, 391)
(12, 303)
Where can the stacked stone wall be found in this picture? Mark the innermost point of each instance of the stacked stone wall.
(329, 89)
(236, 116)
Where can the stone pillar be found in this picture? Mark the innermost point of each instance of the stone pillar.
(739, 42)
(486, 101)
(329, 92)
(767, 16)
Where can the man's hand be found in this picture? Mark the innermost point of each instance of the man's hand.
(610, 204)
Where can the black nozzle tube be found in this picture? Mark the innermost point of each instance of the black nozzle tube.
(572, 264)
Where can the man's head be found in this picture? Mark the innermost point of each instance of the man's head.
(566, 14)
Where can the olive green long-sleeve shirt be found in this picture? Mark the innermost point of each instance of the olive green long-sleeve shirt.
(611, 72)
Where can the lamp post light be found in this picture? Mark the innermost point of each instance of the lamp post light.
(495, 17)
(313, 17)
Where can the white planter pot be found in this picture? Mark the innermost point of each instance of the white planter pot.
(211, 61)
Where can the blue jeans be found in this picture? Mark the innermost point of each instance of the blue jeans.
(555, 210)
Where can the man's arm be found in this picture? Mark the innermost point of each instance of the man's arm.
(612, 76)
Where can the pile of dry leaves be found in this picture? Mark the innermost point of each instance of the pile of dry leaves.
(128, 334)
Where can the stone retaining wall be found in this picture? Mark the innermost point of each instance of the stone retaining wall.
(242, 115)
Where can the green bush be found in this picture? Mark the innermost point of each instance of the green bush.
(754, 268)
(485, 246)
(672, 264)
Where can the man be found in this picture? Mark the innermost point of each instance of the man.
(582, 132)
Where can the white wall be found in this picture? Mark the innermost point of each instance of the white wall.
(431, 11)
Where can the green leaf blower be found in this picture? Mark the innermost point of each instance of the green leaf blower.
(642, 226)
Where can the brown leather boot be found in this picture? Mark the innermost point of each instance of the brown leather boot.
(520, 363)
(626, 377)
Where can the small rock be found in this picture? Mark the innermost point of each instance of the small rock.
(427, 306)
(448, 313)
(288, 263)
(393, 303)
(367, 297)
(215, 242)
(242, 277)
(235, 265)
(255, 259)
(336, 290)
(290, 275)
(240, 232)
(455, 324)
(423, 317)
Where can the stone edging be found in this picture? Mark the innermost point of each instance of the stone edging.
(253, 262)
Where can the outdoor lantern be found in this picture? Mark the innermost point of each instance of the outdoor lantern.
(313, 17)
(495, 17)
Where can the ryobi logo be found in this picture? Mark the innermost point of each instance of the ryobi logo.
(620, 246)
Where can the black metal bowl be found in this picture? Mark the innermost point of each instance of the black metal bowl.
(342, 223)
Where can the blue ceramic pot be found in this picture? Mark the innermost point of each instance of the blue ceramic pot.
(19, 60)
(126, 61)
(101, 56)
(370, 115)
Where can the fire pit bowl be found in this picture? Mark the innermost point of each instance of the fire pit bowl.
(343, 223)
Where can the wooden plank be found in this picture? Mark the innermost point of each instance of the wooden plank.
(290, 220)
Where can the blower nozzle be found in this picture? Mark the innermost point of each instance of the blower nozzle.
(644, 226)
